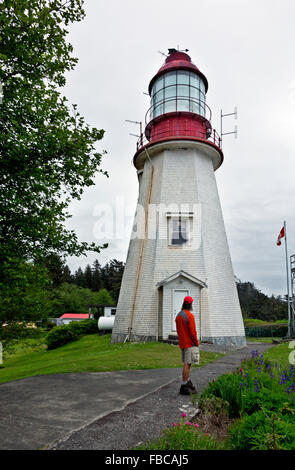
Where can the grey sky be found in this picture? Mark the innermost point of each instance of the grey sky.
(246, 50)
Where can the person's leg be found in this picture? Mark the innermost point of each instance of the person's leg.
(186, 372)
(184, 389)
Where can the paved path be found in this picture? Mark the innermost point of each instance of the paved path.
(112, 410)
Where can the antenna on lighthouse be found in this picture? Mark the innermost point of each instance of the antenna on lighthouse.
(140, 136)
(160, 52)
(235, 113)
(136, 122)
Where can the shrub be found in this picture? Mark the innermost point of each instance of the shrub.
(15, 330)
(216, 408)
(49, 325)
(60, 335)
(266, 331)
(226, 388)
(183, 436)
(262, 431)
(84, 327)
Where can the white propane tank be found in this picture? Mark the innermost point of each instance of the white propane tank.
(106, 323)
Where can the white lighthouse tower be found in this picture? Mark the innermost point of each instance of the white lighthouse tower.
(178, 246)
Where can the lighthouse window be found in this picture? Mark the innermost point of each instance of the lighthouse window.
(195, 80)
(178, 91)
(158, 103)
(158, 84)
(178, 231)
(170, 103)
(183, 90)
(183, 77)
(170, 78)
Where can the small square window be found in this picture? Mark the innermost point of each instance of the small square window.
(179, 230)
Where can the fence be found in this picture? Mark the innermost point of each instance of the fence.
(267, 331)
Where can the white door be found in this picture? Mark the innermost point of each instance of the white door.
(178, 296)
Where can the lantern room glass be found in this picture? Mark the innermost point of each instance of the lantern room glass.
(179, 90)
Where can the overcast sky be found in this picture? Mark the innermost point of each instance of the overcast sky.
(246, 50)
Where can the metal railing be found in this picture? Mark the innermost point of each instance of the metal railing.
(180, 130)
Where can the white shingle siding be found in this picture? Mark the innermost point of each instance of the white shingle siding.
(182, 174)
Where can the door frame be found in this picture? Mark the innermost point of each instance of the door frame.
(173, 326)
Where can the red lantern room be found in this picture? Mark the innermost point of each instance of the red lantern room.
(178, 108)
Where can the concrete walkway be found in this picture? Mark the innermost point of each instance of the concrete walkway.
(113, 410)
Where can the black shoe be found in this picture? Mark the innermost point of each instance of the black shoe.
(191, 386)
(185, 390)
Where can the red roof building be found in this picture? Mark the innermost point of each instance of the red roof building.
(75, 316)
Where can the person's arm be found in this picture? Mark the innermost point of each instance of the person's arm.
(192, 329)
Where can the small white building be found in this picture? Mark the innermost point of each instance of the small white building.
(102, 310)
(109, 311)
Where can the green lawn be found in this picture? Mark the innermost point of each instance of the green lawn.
(279, 354)
(93, 353)
(258, 339)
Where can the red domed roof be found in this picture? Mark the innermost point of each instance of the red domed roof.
(178, 60)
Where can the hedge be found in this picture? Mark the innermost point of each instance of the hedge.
(60, 335)
(267, 331)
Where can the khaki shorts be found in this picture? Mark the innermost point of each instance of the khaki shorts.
(191, 355)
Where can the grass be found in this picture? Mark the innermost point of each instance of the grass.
(15, 347)
(183, 436)
(91, 353)
(258, 339)
(257, 322)
(279, 354)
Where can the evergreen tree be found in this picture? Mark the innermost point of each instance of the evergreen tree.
(68, 278)
(88, 276)
(79, 278)
(97, 283)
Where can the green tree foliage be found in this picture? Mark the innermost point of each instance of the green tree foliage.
(96, 276)
(26, 293)
(57, 269)
(255, 304)
(69, 298)
(47, 152)
(88, 276)
(99, 277)
(103, 297)
(111, 275)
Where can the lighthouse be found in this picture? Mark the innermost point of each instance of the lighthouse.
(178, 245)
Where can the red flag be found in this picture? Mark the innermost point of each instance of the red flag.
(281, 235)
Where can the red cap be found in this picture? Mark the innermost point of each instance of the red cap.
(188, 299)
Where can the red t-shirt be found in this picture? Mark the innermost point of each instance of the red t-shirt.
(186, 329)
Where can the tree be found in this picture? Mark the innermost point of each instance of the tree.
(57, 270)
(116, 271)
(79, 278)
(25, 294)
(96, 276)
(111, 275)
(69, 298)
(88, 276)
(255, 304)
(47, 151)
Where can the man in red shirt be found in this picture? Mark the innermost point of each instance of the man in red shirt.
(188, 343)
